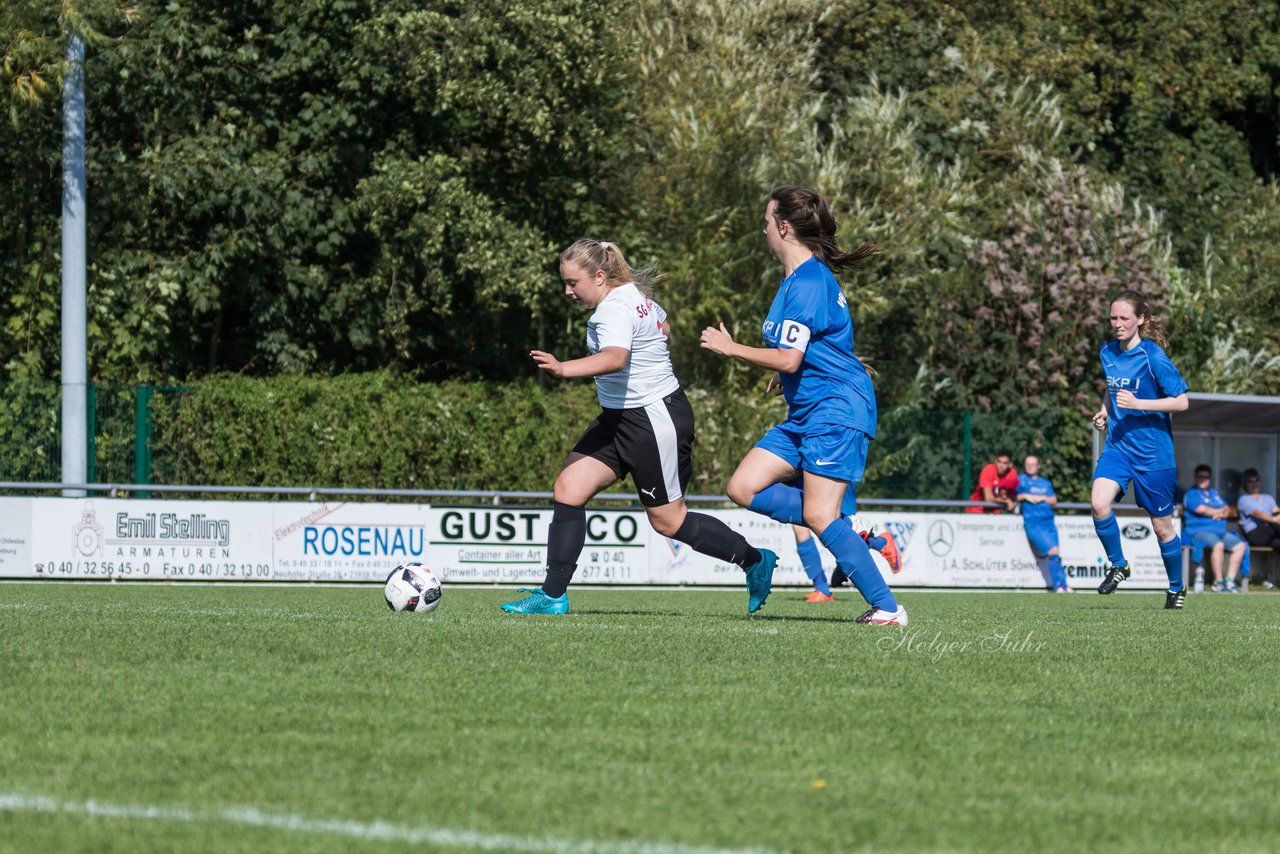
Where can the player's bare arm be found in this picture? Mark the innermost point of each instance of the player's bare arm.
(1126, 399)
(721, 342)
(608, 360)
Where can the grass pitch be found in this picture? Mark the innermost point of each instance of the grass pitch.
(141, 718)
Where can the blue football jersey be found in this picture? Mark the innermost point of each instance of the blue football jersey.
(1144, 438)
(1194, 523)
(832, 386)
(1035, 513)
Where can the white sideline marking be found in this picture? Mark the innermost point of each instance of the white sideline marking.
(177, 610)
(379, 830)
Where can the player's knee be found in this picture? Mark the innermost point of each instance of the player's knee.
(740, 492)
(566, 491)
(817, 520)
(664, 525)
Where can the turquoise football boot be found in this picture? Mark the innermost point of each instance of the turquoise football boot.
(760, 580)
(538, 602)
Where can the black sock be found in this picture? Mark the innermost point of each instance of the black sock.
(558, 577)
(714, 538)
(565, 539)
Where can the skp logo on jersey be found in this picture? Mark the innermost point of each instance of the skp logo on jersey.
(1123, 383)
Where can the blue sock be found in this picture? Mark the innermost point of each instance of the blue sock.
(855, 559)
(812, 560)
(1057, 577)
(1171, 554)
(877, 543)
(781, 503)
(1109, 533)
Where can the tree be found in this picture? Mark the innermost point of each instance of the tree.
(245, 176)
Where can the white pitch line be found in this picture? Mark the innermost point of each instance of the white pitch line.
(378, 830)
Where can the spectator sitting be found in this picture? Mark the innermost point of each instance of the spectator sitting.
(1205, 524)
(998, 483)
(1259, 517)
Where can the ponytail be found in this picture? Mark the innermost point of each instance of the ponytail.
(815, 227)
(592, 255)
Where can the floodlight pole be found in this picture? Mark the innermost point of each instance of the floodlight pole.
(74, 361)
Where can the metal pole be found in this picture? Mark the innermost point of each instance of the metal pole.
(90, 450)
(74, 363)
(968, 454)
(142, 437)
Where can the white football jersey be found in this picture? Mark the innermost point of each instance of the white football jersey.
(627, 318)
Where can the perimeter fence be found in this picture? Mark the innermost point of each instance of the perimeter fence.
(147, 434)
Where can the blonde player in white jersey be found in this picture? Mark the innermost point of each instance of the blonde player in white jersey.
(644, 429)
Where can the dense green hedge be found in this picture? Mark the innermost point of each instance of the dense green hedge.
(367, 431)
(383, 431)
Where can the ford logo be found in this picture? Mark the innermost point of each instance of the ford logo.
(1135, 531)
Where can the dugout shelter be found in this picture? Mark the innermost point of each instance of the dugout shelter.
(1230, 433)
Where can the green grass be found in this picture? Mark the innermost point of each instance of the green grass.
(666, 718)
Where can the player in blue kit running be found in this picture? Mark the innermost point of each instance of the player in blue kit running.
(1143, 387)
(1036, 496)
(831, 402)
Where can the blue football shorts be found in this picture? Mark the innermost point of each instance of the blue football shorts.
(1043, 538)
(830, 450)
(1152, 490)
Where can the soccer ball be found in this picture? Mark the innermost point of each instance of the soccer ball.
(412, 587)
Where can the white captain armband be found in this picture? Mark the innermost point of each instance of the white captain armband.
(794, 336)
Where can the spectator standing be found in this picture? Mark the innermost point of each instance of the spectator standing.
(1037, 497)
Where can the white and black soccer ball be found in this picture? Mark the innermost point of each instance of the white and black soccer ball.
(412, 587)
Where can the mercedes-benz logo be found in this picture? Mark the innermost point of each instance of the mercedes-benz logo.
(941, 537)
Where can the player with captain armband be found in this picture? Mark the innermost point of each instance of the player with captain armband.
(831, 402)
